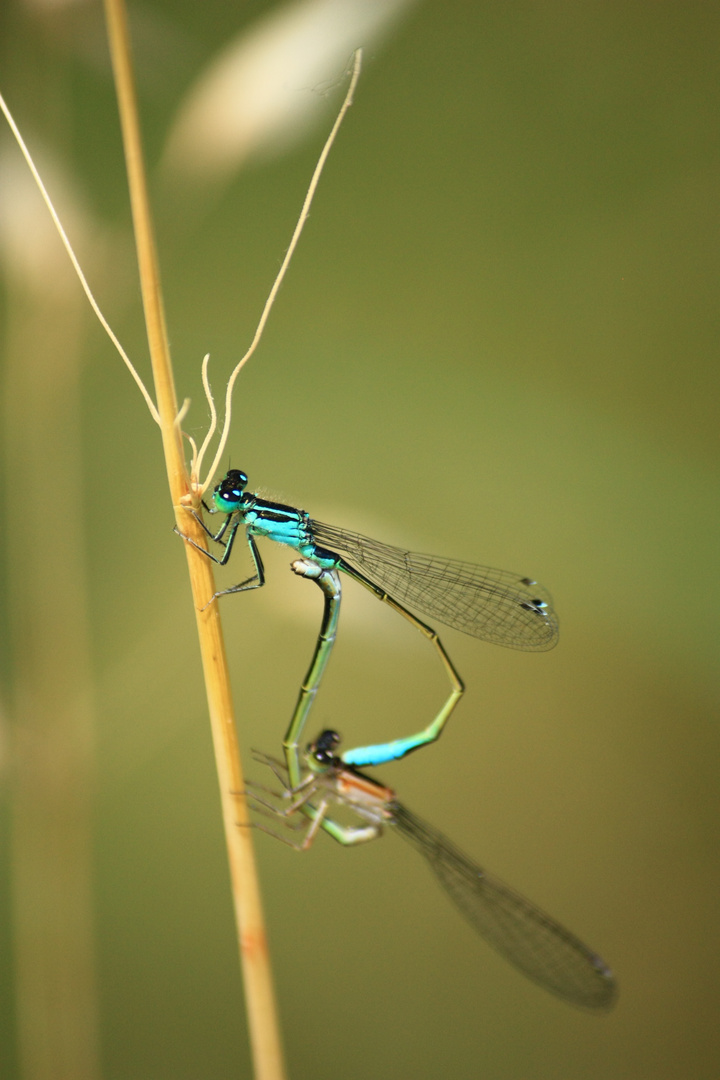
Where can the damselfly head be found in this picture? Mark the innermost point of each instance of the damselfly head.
(229, 492)
(324, 747)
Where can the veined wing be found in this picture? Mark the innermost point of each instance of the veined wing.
(531, 940)
(495, 605)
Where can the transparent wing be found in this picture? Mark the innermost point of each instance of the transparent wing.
(495, 605)
(542, 949)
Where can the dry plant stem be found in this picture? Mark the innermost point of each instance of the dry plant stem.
(262, 1013)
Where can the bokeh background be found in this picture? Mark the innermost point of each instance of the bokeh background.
(498, 341)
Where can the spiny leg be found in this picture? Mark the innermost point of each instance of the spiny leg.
(276, 766)
(216, 537)
(310, 827)
(283, 804)
(256, 581)
(347, 835)
(300, 797)
(258, 578)
(398, 748)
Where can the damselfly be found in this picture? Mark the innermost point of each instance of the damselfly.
(495, 605)
(532, 941)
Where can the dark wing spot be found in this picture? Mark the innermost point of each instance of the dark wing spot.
(536, 606)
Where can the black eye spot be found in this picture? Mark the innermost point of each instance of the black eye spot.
(527, 581)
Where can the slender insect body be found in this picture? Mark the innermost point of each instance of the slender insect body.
(495, 605)
(261, 517)
(343, 784)
(366, 798)
(529, 938)
(283, 524)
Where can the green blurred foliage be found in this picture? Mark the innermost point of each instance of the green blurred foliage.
(498, 341)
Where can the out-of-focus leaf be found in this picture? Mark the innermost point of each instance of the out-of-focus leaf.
(30, 248)
(266, 89)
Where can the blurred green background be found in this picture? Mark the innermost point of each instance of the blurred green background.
(498, 341)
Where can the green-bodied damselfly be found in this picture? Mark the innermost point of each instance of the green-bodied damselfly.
(532, 941)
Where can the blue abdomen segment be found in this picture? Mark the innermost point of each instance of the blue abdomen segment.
(365, 756)
(285, 525)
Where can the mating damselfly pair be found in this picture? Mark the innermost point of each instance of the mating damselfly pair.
(494, 605)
